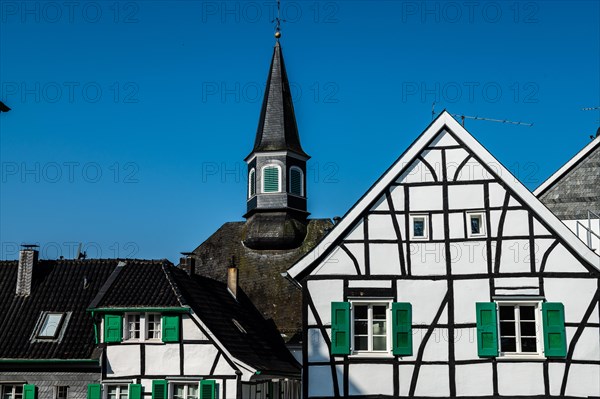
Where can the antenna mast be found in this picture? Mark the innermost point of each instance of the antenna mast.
(479, 118)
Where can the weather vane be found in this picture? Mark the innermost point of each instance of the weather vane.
(278, 21)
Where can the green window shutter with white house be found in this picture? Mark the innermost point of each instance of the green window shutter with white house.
(271, 179)
(553, 320)
(340, 328)
(402, 329)
(170, 328)
(487, 329)
(94, 391)
(29, 391)
(135, 391)
(159, 389)
(207, 389)
(113, 328)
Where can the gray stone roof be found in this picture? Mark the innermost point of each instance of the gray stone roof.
(260, 271)
(277, 129)
(577, 190)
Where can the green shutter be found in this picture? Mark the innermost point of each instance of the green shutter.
(402, 329)
(295, 182)
(271, 179)
(207, 389)
(135, 391)
(94, 391)
(487, 329)
(28, 391)
(555, 338)
(340, 328)
(113, 328)
(252, 179)
(170, 328)
(159, 389)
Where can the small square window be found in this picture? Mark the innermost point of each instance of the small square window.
(132, 327)
(475, 224)
(12, 391)
(419, 225)
(50, 326)
(62, 392)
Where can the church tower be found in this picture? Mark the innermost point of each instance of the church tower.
(276, 193)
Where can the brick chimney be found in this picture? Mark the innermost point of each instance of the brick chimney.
(188, 263)
(28, 257)
(232, 278)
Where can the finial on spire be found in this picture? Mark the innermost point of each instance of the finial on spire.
(278, 21)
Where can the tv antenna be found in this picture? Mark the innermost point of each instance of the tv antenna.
(597, 131)
(480, 118)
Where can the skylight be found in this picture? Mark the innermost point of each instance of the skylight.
(50, 325)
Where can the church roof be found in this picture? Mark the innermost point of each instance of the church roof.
(260, 271)
(573, 189)
(277, 129)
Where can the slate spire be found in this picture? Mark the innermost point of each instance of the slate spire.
(277, 129)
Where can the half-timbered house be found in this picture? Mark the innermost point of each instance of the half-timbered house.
(449, 278)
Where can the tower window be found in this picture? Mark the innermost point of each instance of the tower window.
(271, 179)
(252, 183)
(296, 181)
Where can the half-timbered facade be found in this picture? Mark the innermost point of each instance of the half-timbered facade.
(449, 278)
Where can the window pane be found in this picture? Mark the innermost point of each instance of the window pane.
(508, 344)
(475, 225)
(528, 345)
(379, 343)
(507, 313)
(379, 327)
(360, 327)
(192, 392)
(179, 392)
(123, 394)
(507, 328)
(112, 392)
(360, 312)
(361, 343)
(419, 227)
(379, 312)
(295, 182)
(528, 328)
(50, 324)
(527, 312)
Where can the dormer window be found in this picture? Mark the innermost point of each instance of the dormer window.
(252, 183)
(296, 181)
(50, 326)
(271, 179)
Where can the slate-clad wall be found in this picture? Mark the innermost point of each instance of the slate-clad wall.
(46, 382)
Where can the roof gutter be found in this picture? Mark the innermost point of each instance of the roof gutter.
(184, 309)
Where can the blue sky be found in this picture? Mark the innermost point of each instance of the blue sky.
(131, 119)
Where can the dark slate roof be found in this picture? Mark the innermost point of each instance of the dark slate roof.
(260, 272)
(577, 189)
(60, 286)
(139, 284)
(260, 346)
(277, 129)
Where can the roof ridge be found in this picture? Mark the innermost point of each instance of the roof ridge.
(173, 284)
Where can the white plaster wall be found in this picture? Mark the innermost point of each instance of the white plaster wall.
(515, 257)
(162, 359)
(497, 193)
(520, 378)
(231, 389)
(338, 262)
(588, 345)
(381, 204)
(584, 380)
(468, 257)
(469, 196)
(198, 358)
(465, 347)
(397, 194)
(425, 297)
(190, 330)
(123, 360)
(357, 232)
(466, 294)
(321, 383)
(454, 158)
(316, 346)
(370, 379)
(384, 259)
(555, 377)
(516, 223)
(561, 260)
(370, 283)
(443, 139)
(417, 172)
(474, 379)
(433, 381)
(434, 159)
(575, 295)
(437, 345)
(405, 373)
(473, 170)
(381, 227)
(323, 292)
(457, 224)
(437, 226)
(538, 228)
(223, 368)
(427, 259)
(425, 198)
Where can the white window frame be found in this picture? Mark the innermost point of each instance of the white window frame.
(301, 181)
(388, 319)
(57, 389)
(426, 232)
(126, 336)
(106, 387)
(481, 216)
(279, 177)
(43, 320)
(186, 384)
(538, 328)
(146, 317)
(13, 387)
(251, 178)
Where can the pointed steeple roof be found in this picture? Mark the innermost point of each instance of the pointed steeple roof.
(277, 129)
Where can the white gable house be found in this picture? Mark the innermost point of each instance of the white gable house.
(449, 278)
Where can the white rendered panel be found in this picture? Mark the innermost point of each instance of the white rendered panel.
(466, 294)
(465, 348)
(437, 228)
(370, 379)
(316, 346)
(433, 381)
(555, 377)
(520, 379)
(468, 257)
(384, 259)
(369, 284)
(339, 262)
(468, 196)
(320, 382)
(381, 227)
(425, 297)
(198, 358)
(427, 259)
(583, 380)
(474, 380)
(425, 198)
(457, 224)
(434, 159)
(444, 139)
(516, 223)
(162, 359)
(323, 292)
(123, 360)
(405, 373)
(397, 194)
(561, 260)
(515, 257)
(574, 294)
(190, 330)
(454, 157)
